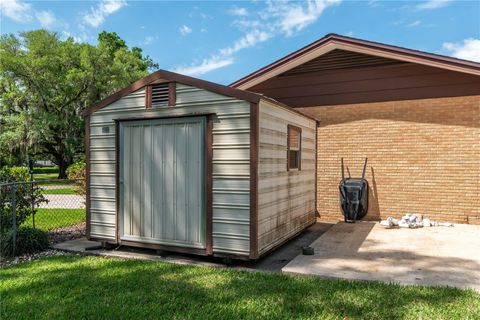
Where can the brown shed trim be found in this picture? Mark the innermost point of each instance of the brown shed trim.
(175, 77)
(209, 184)
(317, 125)
(87, 176)
(335, 39)
(208, 187)
(163, 247)
(254, 131)
(148, 96)
(153, 117)
(117, 180)
(296, 128)
(172, 94)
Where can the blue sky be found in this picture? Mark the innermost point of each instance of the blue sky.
(222, 41)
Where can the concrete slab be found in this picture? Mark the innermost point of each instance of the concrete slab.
(437, 256)
(271, 262)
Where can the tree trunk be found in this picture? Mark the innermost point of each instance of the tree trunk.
(62, 168)
(60, 160)
(62, 164)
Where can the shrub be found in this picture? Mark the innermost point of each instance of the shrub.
(29, 240)
(10, 174)
(25, 195)
(78, 171)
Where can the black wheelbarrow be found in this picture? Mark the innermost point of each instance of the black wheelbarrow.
(353, 195)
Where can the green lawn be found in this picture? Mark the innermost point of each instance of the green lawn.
(50, 176)
(66, 190)
(48, 219)
(79, 287)
(45, 176)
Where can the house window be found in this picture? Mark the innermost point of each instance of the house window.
(160, 95)
(294, 146)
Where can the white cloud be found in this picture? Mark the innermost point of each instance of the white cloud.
(293, 17)
(184, 30)
(205, 66)
(414, 23)
(432, 4)
(225, 56)
(196, 13)
(82, 38)
(236, 11)
(468, 49)
(148, 40)
(16, 10)
(101, 11)
(46, 18)
(279, 18)
(249, 40)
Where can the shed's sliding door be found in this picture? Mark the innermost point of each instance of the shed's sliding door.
(162, 181)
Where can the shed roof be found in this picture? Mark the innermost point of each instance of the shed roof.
(195, 82)
(334, 41)
(172, 76)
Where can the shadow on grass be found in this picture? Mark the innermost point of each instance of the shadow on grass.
(91, 287)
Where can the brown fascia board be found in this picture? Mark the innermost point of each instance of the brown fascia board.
(172, 76)
(332, 37)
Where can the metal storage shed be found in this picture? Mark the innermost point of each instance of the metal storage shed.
(181, 164)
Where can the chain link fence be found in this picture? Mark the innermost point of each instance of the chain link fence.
(53, 206)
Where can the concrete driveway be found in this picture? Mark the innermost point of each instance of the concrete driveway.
(439, 256)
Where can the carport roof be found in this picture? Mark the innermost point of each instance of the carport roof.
(334, 41)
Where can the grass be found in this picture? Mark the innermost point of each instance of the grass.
(81, 287)
(45, 176)
(48, 219)
(67, 190)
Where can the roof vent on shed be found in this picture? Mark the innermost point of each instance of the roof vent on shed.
(160, 95)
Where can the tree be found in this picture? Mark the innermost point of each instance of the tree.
(46, 83)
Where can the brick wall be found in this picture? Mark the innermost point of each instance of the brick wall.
(424, 157)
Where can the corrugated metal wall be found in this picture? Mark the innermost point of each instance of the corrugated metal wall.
(231, 164)
(162, 198)
(286, 199)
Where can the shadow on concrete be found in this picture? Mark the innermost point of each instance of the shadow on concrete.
(427, 257)
(273, 261)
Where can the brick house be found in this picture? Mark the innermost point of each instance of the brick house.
(415, 115)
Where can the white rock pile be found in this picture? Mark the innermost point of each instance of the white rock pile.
(412, 221)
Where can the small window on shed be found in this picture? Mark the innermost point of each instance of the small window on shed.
(294, 146)
(160, 95)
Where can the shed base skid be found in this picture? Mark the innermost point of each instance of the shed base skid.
(173, 249)
(199, 252)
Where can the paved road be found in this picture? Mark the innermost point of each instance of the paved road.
(66, 201)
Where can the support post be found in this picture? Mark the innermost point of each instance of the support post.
(14, 218)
